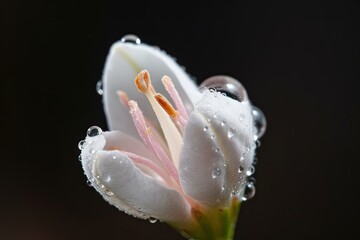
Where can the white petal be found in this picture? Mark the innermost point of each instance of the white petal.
(124, 62)
(124, 142)
(218, 140)
(110, 140)
(130, 190)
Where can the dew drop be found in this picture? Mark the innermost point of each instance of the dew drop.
(216, 149)
(223, 123)
(242, 116)
(231, 132)
(259, 122)
(206, 128)
(89, 183)
(257, 143)
(114, 157)
(80, 158)
(152, 220)
(212, 136)
(249, 191)
(92, 151)
(250, 171)
(216, 173)
(94, 131)
(99, 87)
(81, 144)
(241, 169)
(131, 38)
(225, 84)
(107, 178)
(109, 193)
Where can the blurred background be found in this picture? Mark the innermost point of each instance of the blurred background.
(298, 61)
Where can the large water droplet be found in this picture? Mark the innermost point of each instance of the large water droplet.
(131, 38)
(259, 122)
(225, 84)
(94, 131)
(152, 220)
(216, 173)
(99, 87)
(249, 191)
(81, 144)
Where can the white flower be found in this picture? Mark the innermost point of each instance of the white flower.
(176, 164)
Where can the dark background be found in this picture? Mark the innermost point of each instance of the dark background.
(298, 61)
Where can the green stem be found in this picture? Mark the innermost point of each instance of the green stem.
(213, 224)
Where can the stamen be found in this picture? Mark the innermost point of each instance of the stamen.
(166, 105)
(170, 88)
(150, 141)
(123, 97)
(171, 133)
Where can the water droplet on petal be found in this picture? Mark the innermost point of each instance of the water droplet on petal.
(92, 151)
(94, 131)
(99, 87)
(223, 123)
(81, 144)
(242, 116)
(114, 157)
(257, 143)
(131, 38)
(241, 169)
(249, 191)
(206, 128)
(216, 173)
(80, 158)
(109, 193)
(89, 183)
(107, 178)
(152, 220)
(212, 136)
(225, 84)
(231, 132)
(250, 171)
(259, 122)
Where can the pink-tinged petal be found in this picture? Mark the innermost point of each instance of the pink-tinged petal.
(124, 62)
(129, 189)
(218, 149)
(121, 141)
(110, 141)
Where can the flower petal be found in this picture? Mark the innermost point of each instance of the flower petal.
(130, 190)
(218, 149)
(124, 62)
(121, 141)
